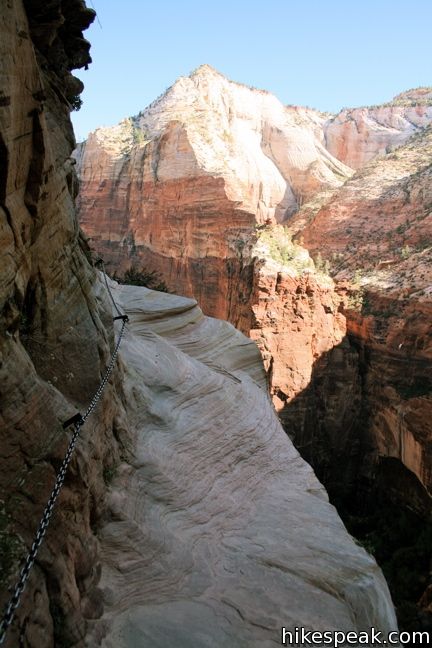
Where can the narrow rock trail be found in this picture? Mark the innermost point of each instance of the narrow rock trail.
(219, 533)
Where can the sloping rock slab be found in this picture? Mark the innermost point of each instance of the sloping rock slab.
(219, 533)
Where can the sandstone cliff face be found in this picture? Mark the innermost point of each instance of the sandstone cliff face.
(379, 222)
(218, 531)
(356, 135)
(294, 314)
(180, 188)
(394, 341)
(377, 233)
(312, 369)
(177, 187)
(55, 334)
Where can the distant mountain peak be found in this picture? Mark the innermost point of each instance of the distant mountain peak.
(206, 70)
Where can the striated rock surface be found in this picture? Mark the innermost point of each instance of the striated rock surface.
(181, 189)
(55, 332)
(149, 197)
(394, 339)
(356, 135)
(219, 533)
(380, 221)
(176, 187)
(294, 314)
(376, 231)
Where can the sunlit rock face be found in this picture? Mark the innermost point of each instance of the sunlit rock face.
(356, 135)
(218, 533)
(376, 232)
(176, 187)
(181, 188)
(295, 321)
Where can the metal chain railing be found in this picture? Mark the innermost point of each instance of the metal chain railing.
(77, 421)
(100, 263)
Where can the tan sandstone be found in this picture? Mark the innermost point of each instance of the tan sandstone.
(176, 187)
(219, 532)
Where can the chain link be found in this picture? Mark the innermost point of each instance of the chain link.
(101, 263)
(14, 601)
(107, 375)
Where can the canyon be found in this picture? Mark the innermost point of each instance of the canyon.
(187, 515)
(311, 233)
(377, 232)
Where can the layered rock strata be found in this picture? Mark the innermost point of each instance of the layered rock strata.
(181, 189)
(357, 135)
(184, 546)
(219, 533)
(177, 187)
(293, 313)
(149, 197)
(376, 233)
(55, 333)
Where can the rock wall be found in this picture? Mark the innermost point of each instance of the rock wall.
(219, 533)
(55, 333)
(177, 187)
(393, 339)
(369, 223)
(182, 187)
(357, 135)
(376, 232)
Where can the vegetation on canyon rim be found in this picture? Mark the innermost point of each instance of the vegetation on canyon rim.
(276, 242)
(404, 100)
(135, 276)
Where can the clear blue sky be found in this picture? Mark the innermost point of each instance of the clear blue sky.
(322, 53)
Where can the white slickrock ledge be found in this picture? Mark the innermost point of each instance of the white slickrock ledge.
(220, 534)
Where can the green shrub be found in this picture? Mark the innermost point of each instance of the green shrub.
(281, 248)
(139, 136)
(143, 277)
(406, 251)
(109, 472)
(322, 265)
(358, 276)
